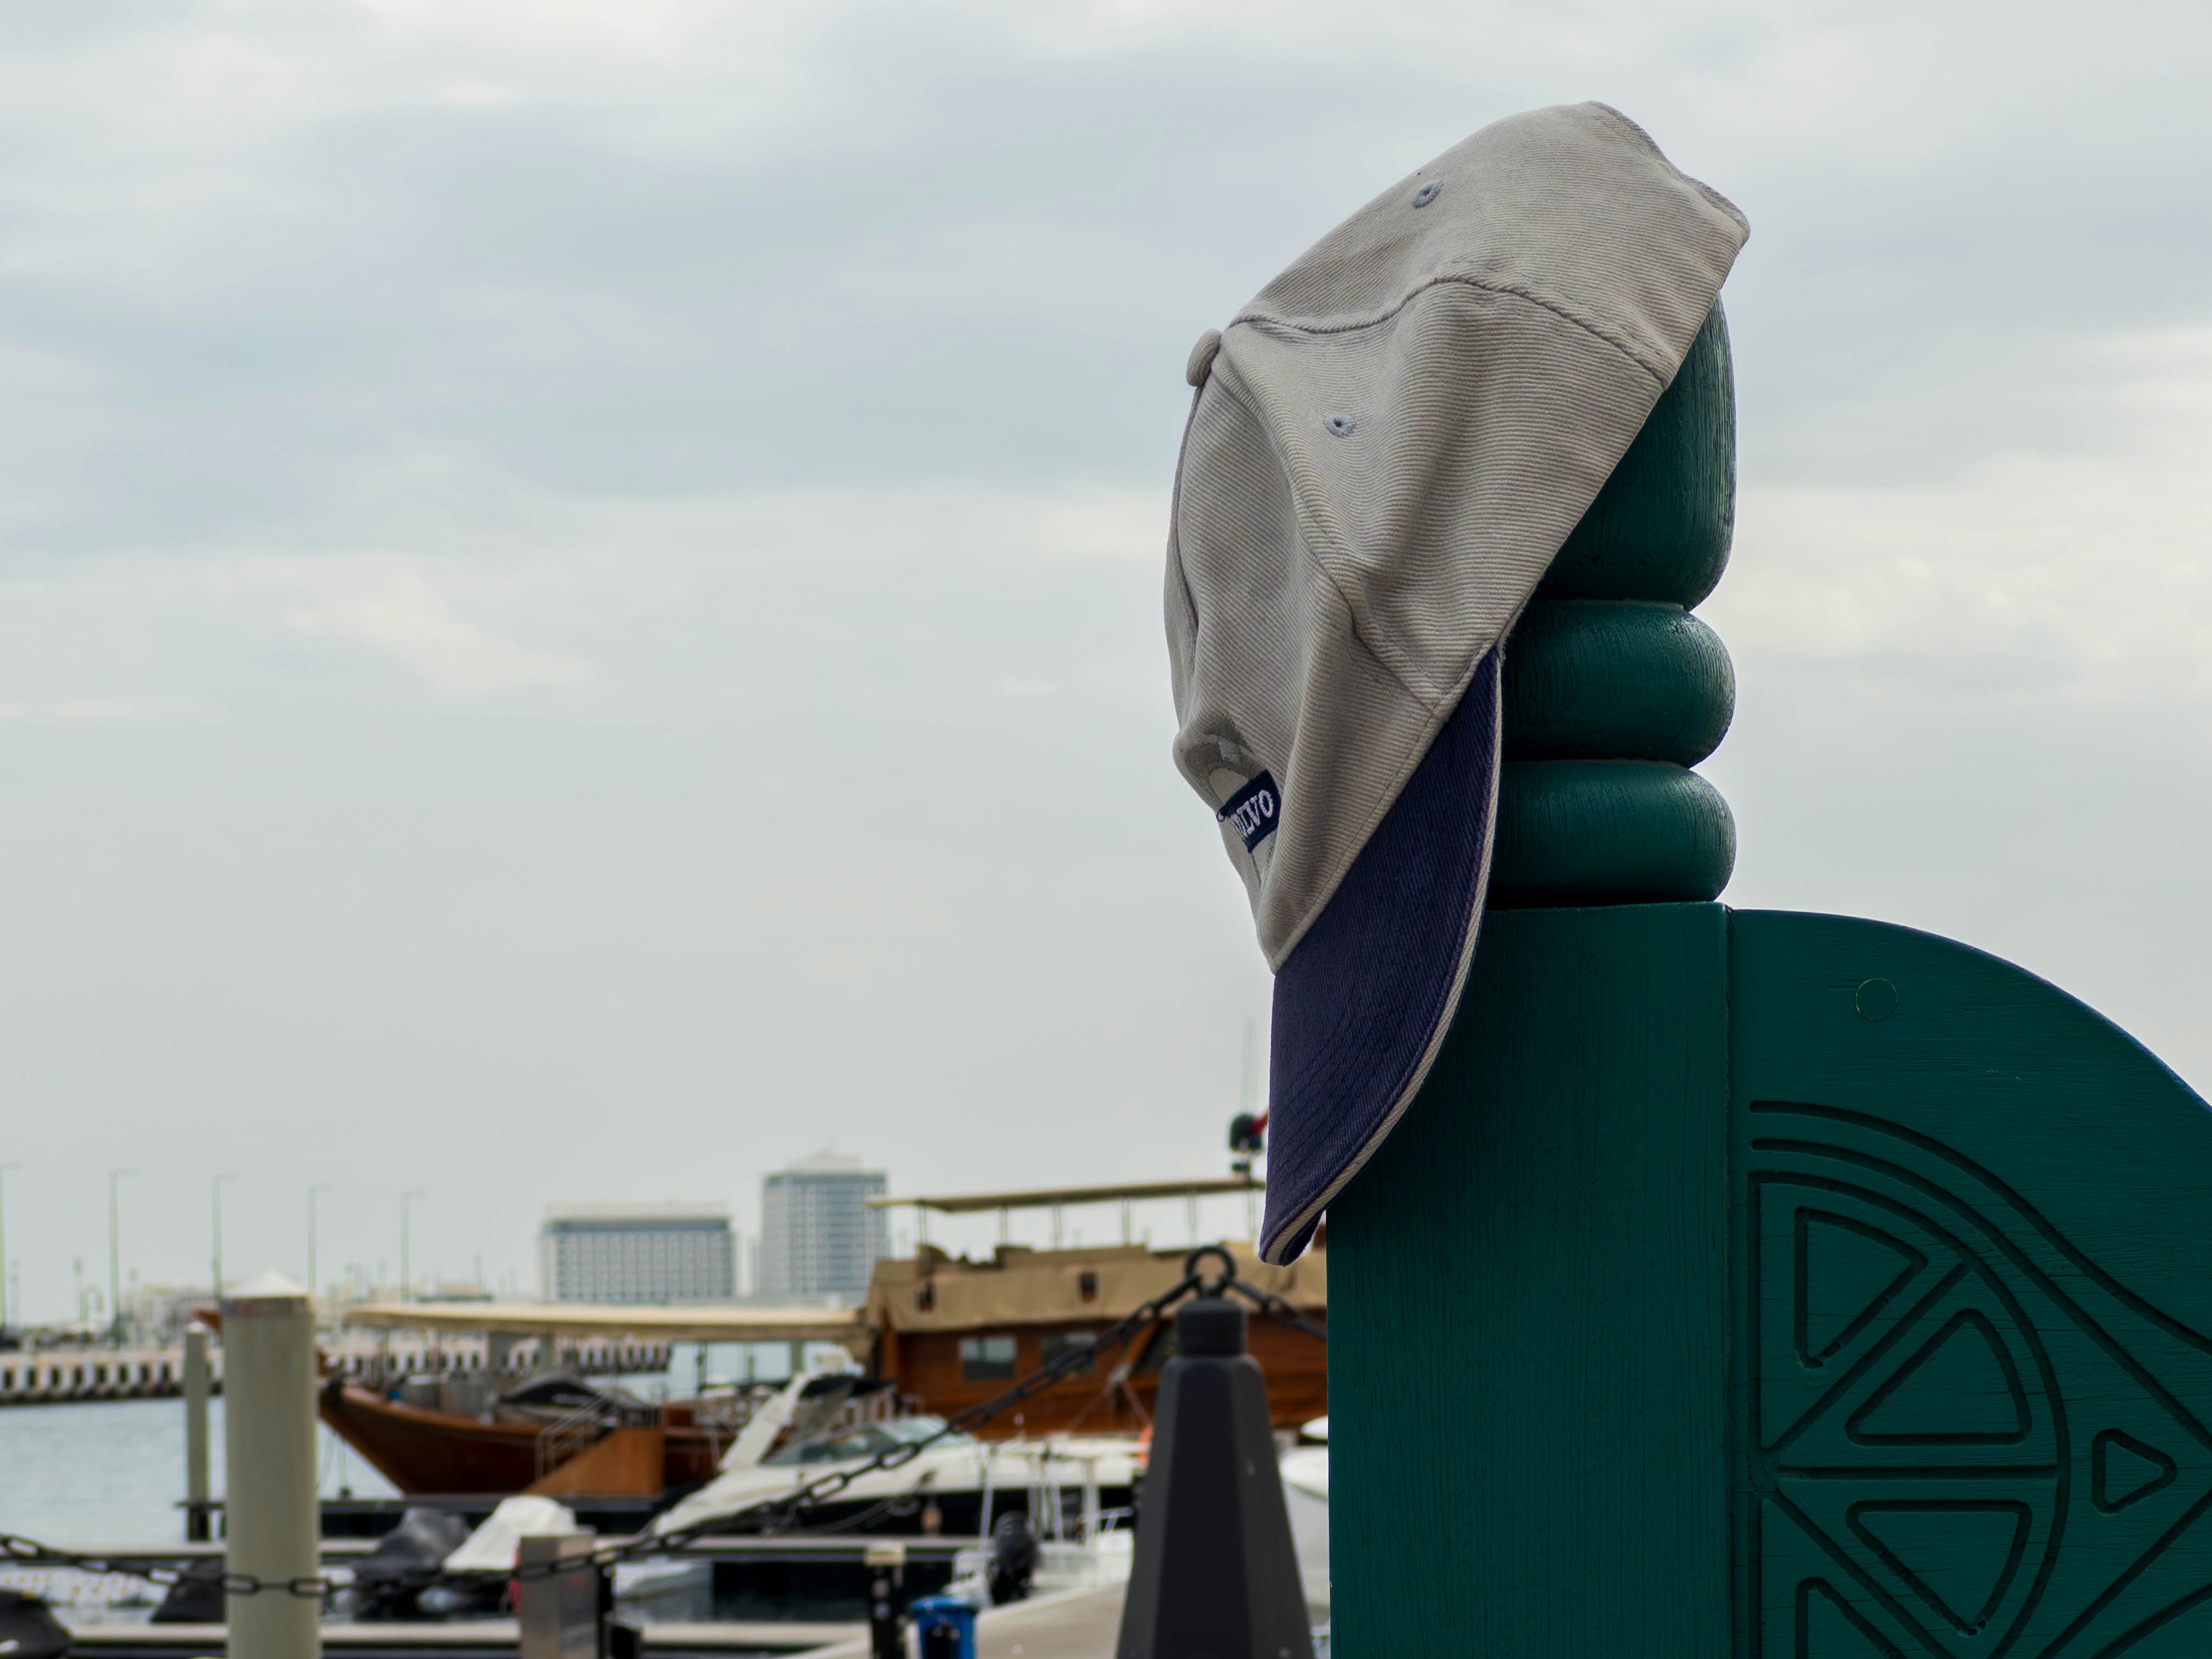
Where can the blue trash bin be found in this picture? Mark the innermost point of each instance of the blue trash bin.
(944, 1626)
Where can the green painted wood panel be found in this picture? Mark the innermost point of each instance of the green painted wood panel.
(1973, 1321)
(1528, 1346)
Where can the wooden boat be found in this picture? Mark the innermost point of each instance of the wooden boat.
(425, 1451)
(938, 1332)
(952, 1333)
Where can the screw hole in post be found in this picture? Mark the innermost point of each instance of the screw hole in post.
(1876, 999)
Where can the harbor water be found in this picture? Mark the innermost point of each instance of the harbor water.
(112, 1472)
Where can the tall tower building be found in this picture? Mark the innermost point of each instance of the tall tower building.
(818, 1237)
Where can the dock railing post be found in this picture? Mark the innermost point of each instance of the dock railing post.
(1216, 1572)
(197, 1390)
(269, 1458)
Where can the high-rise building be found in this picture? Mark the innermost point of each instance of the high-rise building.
(818, 1237)
(637, 1253)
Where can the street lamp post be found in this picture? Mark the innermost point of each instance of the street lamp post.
(4, 1168)
(319, 1186)
(115, 1258)
(216, 1191)
(406, 1198)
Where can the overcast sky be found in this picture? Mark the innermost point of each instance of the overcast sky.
(579, 615)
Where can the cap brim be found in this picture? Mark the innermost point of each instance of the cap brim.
(1362, 1003)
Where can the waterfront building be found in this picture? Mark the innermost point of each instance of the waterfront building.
(637, 1253)
(156, 1313)
(819, 1239)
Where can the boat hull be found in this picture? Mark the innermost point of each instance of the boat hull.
(426, 1453)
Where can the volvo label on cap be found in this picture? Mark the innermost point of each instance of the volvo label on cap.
(1255, 810)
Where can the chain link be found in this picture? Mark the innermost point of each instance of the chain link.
(777, 1512)
(781, 1510)
(1277, 1309)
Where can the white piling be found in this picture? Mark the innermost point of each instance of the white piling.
(268, 1444)
(197, 1389)
(558, 1616)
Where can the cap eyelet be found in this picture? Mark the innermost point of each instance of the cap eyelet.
(1428, 192)
(1338, 425)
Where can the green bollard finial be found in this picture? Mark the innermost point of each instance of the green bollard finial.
(1612, 689)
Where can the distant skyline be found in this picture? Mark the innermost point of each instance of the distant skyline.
(580, 585)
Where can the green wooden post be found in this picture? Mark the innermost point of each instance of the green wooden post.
(1754, 1284)
(1527, 1346)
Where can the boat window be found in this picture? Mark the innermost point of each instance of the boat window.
(871, 1441)
(908, 1430)
(1056, 1343)
(1086, 1286)
(986, 1358)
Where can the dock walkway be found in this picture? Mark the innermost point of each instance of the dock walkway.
(788, 1547)
(1076, 1625)
(477, 1638)
(1072, 1625)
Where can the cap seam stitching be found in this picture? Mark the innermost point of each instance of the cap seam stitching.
(1175, 534)
(1505, 289)
(1629, 125)
(1436, 709)
(1429, 701)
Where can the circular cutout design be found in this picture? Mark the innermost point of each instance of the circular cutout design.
(1969, 1440)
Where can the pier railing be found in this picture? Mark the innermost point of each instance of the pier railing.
(32, 1377)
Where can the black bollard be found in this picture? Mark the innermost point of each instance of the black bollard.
(1216, 1575)
(1013, 1560)
(886, 1565)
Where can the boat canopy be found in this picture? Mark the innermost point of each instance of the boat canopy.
(932, 1290)
(1035, 1198)
(680, 1322)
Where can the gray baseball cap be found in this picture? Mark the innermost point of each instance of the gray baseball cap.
(1385, 450)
